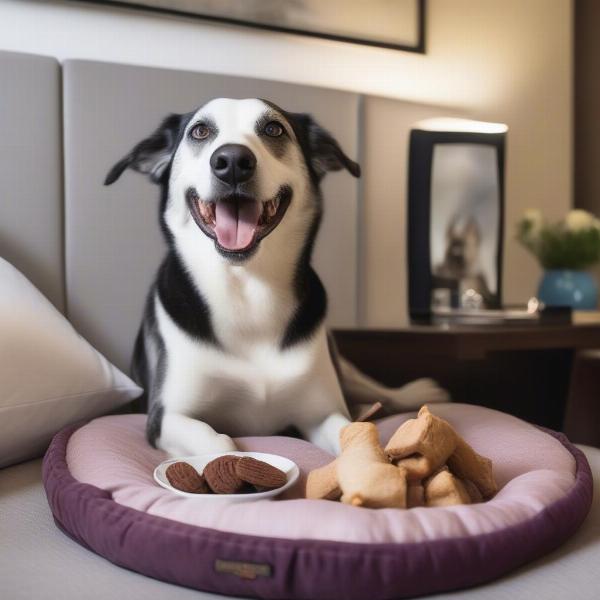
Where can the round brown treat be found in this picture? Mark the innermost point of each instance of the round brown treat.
(182, 476)
(221, 476)
(259, 473)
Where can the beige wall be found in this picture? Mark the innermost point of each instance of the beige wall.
(383, 299)
(508, 61)
(498, 60)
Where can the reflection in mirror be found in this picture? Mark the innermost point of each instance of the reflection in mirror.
(464, 226)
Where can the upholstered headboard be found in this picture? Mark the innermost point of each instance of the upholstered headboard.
(31, 199)
(93, 250)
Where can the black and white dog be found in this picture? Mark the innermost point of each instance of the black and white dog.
(233, 340)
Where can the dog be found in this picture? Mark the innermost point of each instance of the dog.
(460, 268)
(233, 341)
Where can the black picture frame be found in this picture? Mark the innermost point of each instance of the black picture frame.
(419, 47)
(421, 148)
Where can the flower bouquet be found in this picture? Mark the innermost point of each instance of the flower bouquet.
(564, 249)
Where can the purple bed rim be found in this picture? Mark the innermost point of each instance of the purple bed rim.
(263, 567)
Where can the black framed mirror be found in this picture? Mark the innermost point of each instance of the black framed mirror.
(455, 217)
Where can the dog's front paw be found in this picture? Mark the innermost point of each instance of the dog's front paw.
(184, 436)
(211, 444)
(201, 445)
(416, 393)
(222, 443)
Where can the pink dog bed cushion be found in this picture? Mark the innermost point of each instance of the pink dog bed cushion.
(100, 487)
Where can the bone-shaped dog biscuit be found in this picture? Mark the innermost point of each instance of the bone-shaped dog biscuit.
(365, 474)
(465, 463)
(444, 489)
(422, 445)
(322, 483)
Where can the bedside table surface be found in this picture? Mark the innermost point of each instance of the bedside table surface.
(466, 341)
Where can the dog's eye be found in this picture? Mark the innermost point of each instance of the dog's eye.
(273, 129)
(200, 132)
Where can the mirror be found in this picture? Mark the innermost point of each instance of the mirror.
(464, 226)
(455, 221)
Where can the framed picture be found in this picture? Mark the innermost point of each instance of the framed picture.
(396, 24)
(455, 220)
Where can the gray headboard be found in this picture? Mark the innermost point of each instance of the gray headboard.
(31, 199)
(93, 250)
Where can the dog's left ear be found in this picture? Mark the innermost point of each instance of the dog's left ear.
(153, 154)
(322, 150)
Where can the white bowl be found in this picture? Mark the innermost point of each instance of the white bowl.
(289, 467)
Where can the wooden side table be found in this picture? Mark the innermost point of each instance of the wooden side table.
(521, 369)
(582, 418)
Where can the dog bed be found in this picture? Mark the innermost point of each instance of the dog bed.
(98, 479)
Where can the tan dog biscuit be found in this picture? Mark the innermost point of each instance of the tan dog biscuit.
(415, 494)
(444, 489)
(365, 475)
(182, 476)
(259, 473)
(434, 466)
(322, 483)
(473, 491)
(422, 445)
(467, 464)
(221, 476)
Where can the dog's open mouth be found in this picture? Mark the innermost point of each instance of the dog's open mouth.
(238, 222)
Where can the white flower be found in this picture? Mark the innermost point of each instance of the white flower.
(533, 218)
(577, 220)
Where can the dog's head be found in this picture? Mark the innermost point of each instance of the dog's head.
(462, 245)
(237, 170)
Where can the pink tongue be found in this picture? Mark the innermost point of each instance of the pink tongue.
(236, 223)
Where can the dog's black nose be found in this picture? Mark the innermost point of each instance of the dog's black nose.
(233, 163)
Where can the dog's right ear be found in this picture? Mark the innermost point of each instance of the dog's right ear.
(320, 148)
(152, 155)
(472, 229)
(451, 227)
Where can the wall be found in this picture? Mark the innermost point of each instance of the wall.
(499, 60)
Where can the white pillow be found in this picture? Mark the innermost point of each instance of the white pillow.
(49, 375)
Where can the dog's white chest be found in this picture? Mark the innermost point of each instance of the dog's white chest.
(257, 389)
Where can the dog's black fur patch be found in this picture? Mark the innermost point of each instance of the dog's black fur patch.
(276, 145)
(151, 382)
(311, 310)
(182, 301)
(139, 369)
(154, 422)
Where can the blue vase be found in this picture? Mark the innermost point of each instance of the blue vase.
(564, 287)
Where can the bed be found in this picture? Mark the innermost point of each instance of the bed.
(76, 247)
